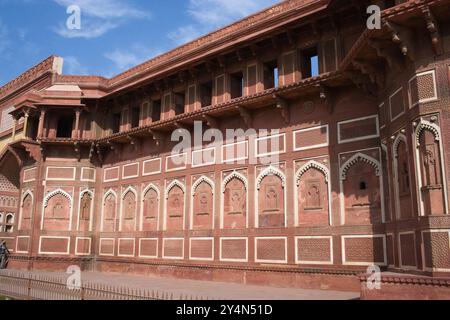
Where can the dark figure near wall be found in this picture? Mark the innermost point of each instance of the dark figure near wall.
(4, 254)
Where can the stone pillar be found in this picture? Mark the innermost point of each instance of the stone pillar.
(41, 124)
(77, 123)
(13, 137)
(25, 125)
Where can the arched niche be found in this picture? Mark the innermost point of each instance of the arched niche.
(234, 201)
(109, 212)
(270, 198)
(26, 211)
(175, 206)
(202, 204)
(361, 188)
(129, 208)
(312, 195)
(150, 208)
(57, 207)
(431, 176)
(402, 178)
(86, 206)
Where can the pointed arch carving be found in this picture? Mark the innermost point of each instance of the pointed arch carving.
(270, 171)
(149, 187)
(56, 192)
(25, 221)
(81, 213)
(312, 165)
(129, 189)
(27, 193)
(232, 176)
(360, 157)
(427, 125)
(174, 183)
(400, 138)
(200, 181)
(149, 220)
(108, 193)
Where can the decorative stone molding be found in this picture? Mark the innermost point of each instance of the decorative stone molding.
(312, 165)
(56, 192)
(86, 191)
(129, 189)
(174, 183)
(151, 186)
(199, 181)
(401, 137)
(270, 171)
(110, 191)
(27, 193)
(231, 176)
(356, 158)
(426, 125)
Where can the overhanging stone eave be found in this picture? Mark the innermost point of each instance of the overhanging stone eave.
(398, 14)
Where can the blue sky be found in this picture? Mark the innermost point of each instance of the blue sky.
(115, 34)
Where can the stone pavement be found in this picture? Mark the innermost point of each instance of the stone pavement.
(207, 289)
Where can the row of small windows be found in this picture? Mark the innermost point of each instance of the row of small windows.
(203, 93)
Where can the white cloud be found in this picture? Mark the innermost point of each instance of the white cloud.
(216, 13)
(125, 59)
(90, 29)
(105, 9)
(99, 16)
(122, 59)
(73, 66)
(208, 15)
(184, 34)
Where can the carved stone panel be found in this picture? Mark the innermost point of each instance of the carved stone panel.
(313, 199)
(109, 213)
(203, 207)
(235, 205)
(85, 211)
(129, 211)
(403, 182)
(27, 208)
(271, 202)
(362, 196)
(431, 173)
(175, 209)
(150, 211)
(57, 213)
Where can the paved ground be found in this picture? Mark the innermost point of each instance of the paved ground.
(207, 289)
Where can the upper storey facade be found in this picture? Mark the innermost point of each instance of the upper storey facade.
(283, 45)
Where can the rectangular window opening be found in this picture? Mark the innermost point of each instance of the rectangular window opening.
(271, 74)
(116, 123)
(156, 111)
(135, 115)
(237, 84)
(180, 102)
(310, 63)
(206, 94)
(65, 127)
